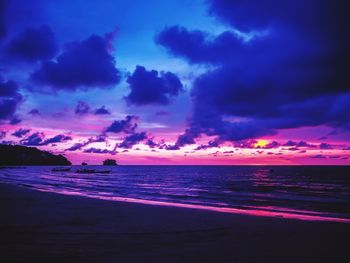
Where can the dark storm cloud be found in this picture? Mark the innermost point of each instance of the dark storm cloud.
(151, 87)
(199, 47)
(102, 111)
(127, 126)
(33, 44)
(81, 65)
(130, 140)
(21, 132)
(257, 15)
(261, 86)
(9, 99)
(82, 108)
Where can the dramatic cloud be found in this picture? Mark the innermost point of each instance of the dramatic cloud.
(127, 126)
(20, 133)
(34, 139)
(82, 108)
(102, 111)
(9, 99)
(257, 87)
(151, 87)
(81, 65)
(199, 47)
(34, 44)
(38, 139)
(131, 140)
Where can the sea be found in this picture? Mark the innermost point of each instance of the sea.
(319, 193)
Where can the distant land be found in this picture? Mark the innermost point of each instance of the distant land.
(22, 155)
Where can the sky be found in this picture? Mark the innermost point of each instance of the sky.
(177, 81)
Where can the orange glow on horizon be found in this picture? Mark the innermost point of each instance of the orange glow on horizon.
(260, 144)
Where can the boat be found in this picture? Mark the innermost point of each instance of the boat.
(59, 169)
(91, 171)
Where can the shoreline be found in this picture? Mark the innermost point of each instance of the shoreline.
(48, 227)
(306, 216)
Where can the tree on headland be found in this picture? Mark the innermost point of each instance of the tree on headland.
(84, 163)
(109, 162)
(22, 155)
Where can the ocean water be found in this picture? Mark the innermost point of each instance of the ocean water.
(300, 192)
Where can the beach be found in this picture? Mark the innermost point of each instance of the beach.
(48, 227)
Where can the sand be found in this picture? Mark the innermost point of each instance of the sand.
(48, 227)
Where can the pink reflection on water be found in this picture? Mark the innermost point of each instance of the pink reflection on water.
(312, 216)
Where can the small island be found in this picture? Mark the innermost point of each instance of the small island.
(22, 155)
(110, 162)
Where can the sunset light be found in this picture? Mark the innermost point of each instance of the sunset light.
(260, 144)
(174, 131)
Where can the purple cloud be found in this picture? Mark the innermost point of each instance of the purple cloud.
(2, 134)
(102, 111)
(34, 112)
(34, 139)
(57, 139)
(80, 145)
(127, 126)
(82, 108)
(20, 133)
(264, 87)
(38, 139)
(99, 151)
(81, 65)
(150, 87)
(132, 139)
(325, 146)
(10, 98)
(34, 44)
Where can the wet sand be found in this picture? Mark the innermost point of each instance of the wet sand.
(47, 227)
